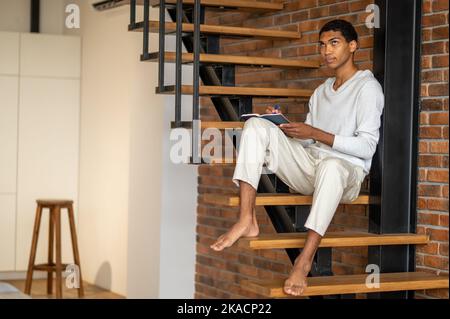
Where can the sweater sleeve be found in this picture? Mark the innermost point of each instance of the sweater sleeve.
(306, 142)
(370, 108)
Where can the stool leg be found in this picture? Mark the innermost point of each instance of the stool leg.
(34, 242)
(51, 235)
(58, 268)
(76, 255)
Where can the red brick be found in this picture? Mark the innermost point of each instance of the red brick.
(426, 62)
(430, 248)
(283, 19)
(340, 8)
(432, 104)
(437, 204)
(445, 191)
(433, 48)
(440, 147)
(438, 89)
(438, 234)
(443, 249)
(434, 20)
(430, 132)
(422, 175)
(300, 16)
(426, 6)
(443, 220)
(439, 5)
(439, 61)
(440, 118)
(428, 218)
(432, 76)
(359, 5)
(423, 147)
(421, 203)
(439, 176)
(429, 190)
(430, 161)
(436, 262)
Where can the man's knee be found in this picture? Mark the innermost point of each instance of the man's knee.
(333, 166)
(256, 122)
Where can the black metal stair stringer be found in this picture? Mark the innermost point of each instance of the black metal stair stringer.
(224, 107)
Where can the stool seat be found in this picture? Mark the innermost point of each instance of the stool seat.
(54, 202)
(54, 244)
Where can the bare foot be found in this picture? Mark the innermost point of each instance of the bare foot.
(296, 284)
(238, 230)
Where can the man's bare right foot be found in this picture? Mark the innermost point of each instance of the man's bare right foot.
(296, 284)
(238, 230)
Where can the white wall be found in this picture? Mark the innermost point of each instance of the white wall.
(134, 238)
(179, 200)
(125, 130)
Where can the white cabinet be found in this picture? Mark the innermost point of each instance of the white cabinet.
(39, 139)
(9, 90)
(48, 154)
(9, 53)
(7, 231)
(49, 55)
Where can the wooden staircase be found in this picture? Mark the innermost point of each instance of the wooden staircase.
(317, 286)
(224, 31)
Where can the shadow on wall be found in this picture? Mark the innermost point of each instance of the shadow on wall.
(103, 277)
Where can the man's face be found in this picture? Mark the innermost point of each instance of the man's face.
(335, 50)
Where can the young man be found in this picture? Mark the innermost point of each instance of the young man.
(327, 156)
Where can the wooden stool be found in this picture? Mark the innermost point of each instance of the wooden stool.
(55, 207)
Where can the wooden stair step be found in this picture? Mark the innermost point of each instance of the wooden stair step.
(237, 60)
(275, 199)
(224, 30)
(221, 125)
(331, 239)
(208, 90)
(349, 284)
(244, 5)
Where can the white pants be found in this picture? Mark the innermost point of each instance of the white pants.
(331, 180)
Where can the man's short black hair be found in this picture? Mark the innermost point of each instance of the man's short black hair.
(346, 28)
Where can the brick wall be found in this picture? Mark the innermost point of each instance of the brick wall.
(432, 213)
(218, 274)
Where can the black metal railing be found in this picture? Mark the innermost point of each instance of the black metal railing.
(196, 125)
(162, 45)
(228, 108)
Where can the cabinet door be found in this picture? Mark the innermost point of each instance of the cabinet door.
(7, 231)
(47, 157)
(9, 53)
(8, 134)
(49, 55)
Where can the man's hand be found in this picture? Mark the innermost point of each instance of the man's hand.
(272, 110)
(298, 130)
(304, 131)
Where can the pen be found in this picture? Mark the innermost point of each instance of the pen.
(276, 107)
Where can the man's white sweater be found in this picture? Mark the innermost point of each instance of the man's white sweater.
(352, 113)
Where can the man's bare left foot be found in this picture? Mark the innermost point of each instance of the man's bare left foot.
(296, 284)
(238, 230)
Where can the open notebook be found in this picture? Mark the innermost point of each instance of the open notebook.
(277, 119)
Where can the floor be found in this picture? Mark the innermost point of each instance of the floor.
(39, 290)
